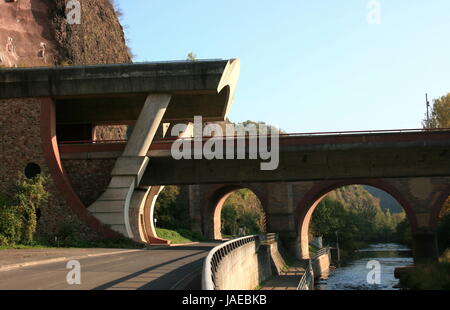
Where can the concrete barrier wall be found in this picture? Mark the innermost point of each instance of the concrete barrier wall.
(244, 268)
(321, 265)
(277, 259)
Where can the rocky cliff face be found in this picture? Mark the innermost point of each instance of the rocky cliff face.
(36, 33)
(25, 34)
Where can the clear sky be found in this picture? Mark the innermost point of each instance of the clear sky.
(315, 65)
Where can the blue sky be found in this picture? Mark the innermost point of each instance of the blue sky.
(314, 65)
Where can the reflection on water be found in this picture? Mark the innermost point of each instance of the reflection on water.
(353, 276)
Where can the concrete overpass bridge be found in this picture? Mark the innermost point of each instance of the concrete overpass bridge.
(113, 185)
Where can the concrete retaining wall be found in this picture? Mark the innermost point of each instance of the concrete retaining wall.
(244, 268)
(321, 265)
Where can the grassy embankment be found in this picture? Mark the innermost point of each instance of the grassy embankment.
(179, 236)
(122, 243)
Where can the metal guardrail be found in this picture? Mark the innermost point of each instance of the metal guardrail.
(322, 251)
(269, 238)
(212, 261)
(307, 280)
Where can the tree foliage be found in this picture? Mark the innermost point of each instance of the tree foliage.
(18, 218)
(242, 210)
(355, 217)
(439, 114)
(171, 210)
(191, 57)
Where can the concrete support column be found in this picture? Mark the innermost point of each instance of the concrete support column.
(122, 204)
(280, 216)
(425, 247)
(147, 125)
(284, 225)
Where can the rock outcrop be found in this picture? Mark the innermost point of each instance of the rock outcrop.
(36, 33)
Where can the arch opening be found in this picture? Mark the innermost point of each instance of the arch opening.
(443, 230)
(352, 215)
(169, 217)
(235, 210)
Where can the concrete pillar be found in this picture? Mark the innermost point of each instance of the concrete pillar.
(289, 242)
(147, 125)
(192, 194)
(121, 206)
(425, 247)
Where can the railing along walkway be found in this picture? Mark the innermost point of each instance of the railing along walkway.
(289, 279)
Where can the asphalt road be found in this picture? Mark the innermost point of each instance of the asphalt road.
(163, 268)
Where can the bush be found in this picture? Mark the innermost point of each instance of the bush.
(18, 211)
(11, 225)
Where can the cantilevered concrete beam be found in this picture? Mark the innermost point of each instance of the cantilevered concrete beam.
(116, 93)
(114, 206)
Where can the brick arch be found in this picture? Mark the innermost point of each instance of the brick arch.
(213, 201)
(309, 202)
(437, 208)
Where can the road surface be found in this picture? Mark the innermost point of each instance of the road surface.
(162, 268)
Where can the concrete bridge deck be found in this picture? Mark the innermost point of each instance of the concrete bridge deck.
(302, 158)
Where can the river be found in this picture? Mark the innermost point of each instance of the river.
(353, 276)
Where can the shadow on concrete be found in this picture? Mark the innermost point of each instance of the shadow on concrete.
(186, 277)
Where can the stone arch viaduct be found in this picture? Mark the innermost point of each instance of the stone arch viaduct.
(112, 186)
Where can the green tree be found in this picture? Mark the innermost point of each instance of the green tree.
(171, 210)
(191, 57)
(18, 211)
(242, 209)
(439, 114)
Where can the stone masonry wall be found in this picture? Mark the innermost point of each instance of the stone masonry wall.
(20, 144)
(89, 178)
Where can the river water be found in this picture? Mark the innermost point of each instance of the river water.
(353, 276)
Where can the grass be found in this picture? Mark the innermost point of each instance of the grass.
(262, 284)
(179, 235)
(313, 250)
(23, 246)
(121, 243)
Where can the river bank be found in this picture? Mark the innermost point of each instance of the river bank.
(353, 274)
